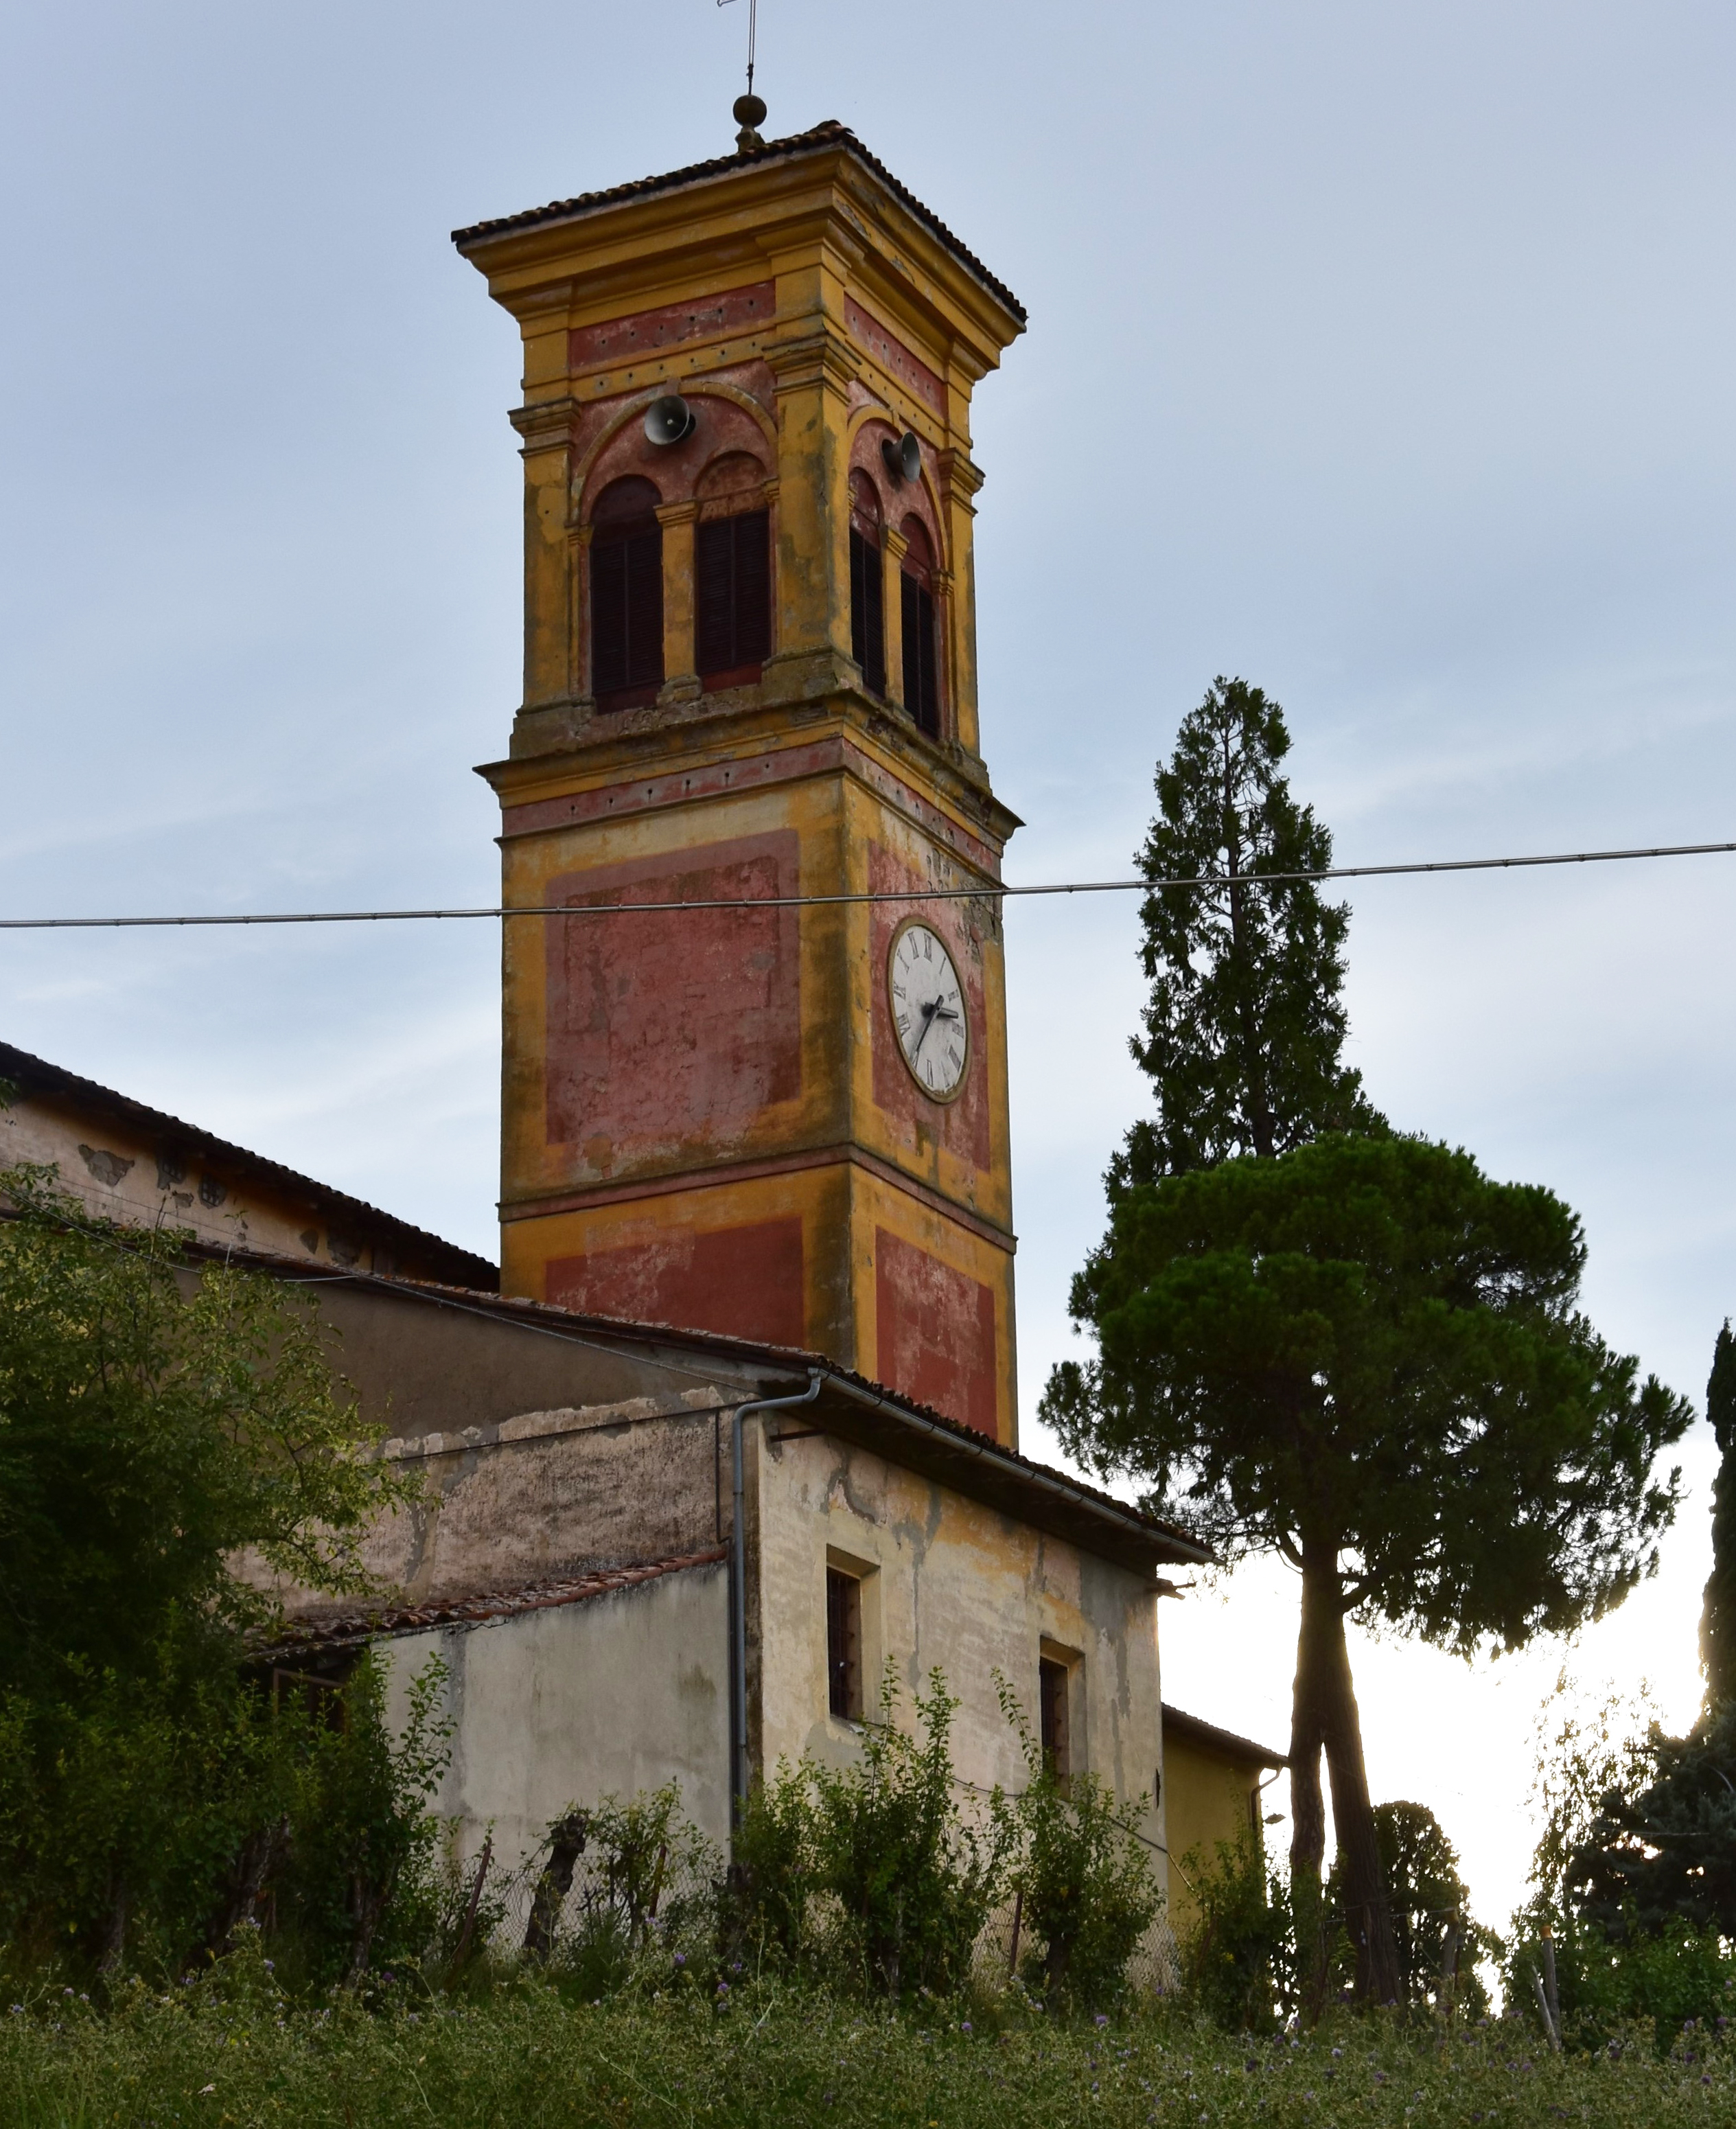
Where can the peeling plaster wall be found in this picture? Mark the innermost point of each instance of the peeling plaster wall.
(946, 1583)
(147, 1178)
(554, 1493)
(614, 1695)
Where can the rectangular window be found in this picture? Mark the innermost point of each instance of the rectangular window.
(626, 613)
(867, 611)
(732, 597)
(843, 1644)
(921, 669)
(1052, 1683)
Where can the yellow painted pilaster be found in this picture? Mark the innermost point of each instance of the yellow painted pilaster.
(681, 671)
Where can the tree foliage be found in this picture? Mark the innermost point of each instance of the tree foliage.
(1369, 1341)
(1367, 1357)
(156, 1421)
(1433, 1928)
(1244, 1030)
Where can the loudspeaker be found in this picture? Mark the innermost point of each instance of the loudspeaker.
(669, 420)
(904, 459)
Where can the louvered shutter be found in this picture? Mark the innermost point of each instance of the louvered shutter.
(732, 596)
(921, 666)
(753, 587)
(609, 616)
(714, 632)
(626, 609)
(644, 609)
(867, 611)
(927, 714)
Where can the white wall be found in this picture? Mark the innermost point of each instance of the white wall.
(609, 1696)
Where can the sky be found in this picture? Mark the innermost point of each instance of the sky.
(1379, 355)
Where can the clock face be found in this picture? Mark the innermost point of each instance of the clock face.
(927, 1001)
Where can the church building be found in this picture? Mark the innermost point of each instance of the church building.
(735, 1433)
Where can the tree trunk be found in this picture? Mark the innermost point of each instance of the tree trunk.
(1308, 1710)
(1367, 1913)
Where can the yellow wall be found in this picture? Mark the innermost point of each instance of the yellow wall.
(1208, 1797)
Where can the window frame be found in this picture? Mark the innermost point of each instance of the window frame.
(843, 1644)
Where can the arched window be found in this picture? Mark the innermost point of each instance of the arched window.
(922, 649)
(867, 587)
(732, 575)
(626, 595)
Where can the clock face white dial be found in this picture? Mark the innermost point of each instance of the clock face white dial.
(927, 1001)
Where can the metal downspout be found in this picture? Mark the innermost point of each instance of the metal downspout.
(739, 1594)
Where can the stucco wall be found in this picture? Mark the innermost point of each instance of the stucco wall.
(619, 1693)
(946, 1582)
(1206, 1799)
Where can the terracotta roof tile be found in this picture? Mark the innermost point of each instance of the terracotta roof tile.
(830, 134)
(349, 1629)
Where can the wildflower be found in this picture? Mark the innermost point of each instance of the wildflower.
(966, 2026)
(680, 1959)
(1101, 2020)
(271, 1966)
(1336, 2052)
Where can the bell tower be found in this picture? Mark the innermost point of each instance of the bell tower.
(750, 676)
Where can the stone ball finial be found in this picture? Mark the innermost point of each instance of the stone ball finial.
(748, 114)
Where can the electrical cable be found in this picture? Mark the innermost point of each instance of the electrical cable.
(984, 891)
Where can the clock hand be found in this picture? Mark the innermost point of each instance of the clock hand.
(931, 1013)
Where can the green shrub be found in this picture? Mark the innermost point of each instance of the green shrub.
(1083, 1881)
(913, 1884)
(1662, 1982)
(1237, 1958)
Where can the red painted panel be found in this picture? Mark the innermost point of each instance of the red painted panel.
(962, 1127)
(910, 370)
(744, 1281)
(673, 1033)
(936, 1336)
(702, 319)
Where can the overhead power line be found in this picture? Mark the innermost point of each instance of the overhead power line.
(986, 890)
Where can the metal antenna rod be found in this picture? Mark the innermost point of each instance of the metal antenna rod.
(749, 109)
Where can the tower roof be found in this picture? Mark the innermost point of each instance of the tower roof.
(829, 136)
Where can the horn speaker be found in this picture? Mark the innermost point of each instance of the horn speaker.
(669, 420)
(904, 459)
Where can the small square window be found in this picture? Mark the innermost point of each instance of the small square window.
(1051, 1683)
(843, 1644)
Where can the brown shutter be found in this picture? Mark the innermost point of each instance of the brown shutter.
(753, 587)
(714, 595)
(867, 610)
(732, 597)
(609, 616)
(644, 609)
(921, 669)
(927, 716)
(626, 612)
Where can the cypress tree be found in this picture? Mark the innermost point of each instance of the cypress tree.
(1718, 1616)
(1244, 1025)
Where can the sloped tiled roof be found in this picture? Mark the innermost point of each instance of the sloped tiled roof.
(831, 133)
(351, 1629)
(36, 1077)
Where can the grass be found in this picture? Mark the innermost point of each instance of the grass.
(240, 2055)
